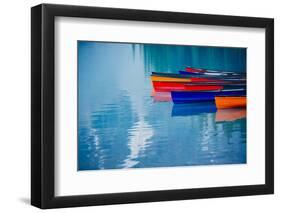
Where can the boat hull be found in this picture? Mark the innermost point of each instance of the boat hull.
(175, 79)
(180, 97)
(199, 79)
(213, 74)
(178, 86)
(230, 102)
(186, 73)
(218, 78)
(169, 79)
(190, 69)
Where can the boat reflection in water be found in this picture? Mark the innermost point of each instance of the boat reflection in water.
(221, 115)
(161, 96)
(230, 114)
(193, 108)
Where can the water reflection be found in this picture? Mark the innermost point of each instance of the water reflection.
(210, 107)
(121, 124)
(193, 108)
(161, 96)
(230, 114)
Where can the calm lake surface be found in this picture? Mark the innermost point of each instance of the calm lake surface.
(121, 126)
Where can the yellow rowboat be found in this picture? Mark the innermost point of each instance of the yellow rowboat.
(169, 79)
(223, 102)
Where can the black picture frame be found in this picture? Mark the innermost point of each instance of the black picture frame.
(43, 102)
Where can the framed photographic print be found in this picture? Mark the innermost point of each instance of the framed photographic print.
(139, 106)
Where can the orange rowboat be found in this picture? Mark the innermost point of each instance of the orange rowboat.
(223, 102)
(169, 79)
(175, 79)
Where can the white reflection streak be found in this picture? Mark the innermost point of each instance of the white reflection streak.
(141, 133)
(206, 133)
(94, 134)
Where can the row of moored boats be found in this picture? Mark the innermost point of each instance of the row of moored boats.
(227, 89)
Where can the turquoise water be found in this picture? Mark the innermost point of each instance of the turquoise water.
(121, 126)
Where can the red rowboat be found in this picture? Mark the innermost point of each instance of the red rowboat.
(181, 86)
(190, 69)
(206, 80)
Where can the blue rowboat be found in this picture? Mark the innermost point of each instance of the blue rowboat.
(171, 75)
(196, 108)
(214, 74)
(180, 97)
(177, 75)
(189, 73)
(201, 70)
